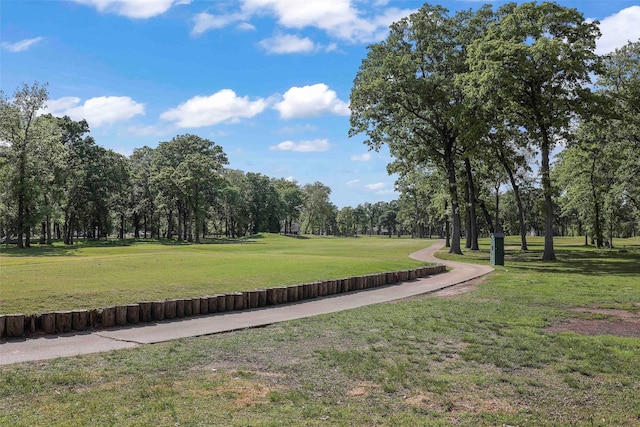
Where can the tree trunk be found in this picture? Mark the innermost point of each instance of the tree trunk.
(169, 224)
(48, 225)
(473, 220)
(453, 196)
(180, 222)
(43, 233)
(549, 253)
(121, 234)
(516, 193)
(27, 237)
(596, 207)
(487, 215)
(21, 197)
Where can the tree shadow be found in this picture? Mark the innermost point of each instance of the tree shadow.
(296, 236)
(592, 262)
(59, 249)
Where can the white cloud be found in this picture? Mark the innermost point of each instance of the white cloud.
(315, 145)
(375, 187)
(22, 45)
(98, 111)
(339, 18)
(287, 43)
(60, 105)
(311, 101)
(296, 129)
(618, 29)
(245, 26)
(222, 106)
(139, 9)
(204, 22)
(151, 130)
(361, 158)
(353, 182)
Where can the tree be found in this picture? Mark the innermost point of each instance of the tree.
(263, 202)
(346, 222)
(143, 201)
(388, 218)
(292, 202)
(620, 82)
(405, 94)
(586, 173)
(317, 207)
(533, 65)
(186, 172)
(30, 139)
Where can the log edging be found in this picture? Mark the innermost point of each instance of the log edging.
(19, 325)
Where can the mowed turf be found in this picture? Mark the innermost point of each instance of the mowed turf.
(489, 357)
(99, 274)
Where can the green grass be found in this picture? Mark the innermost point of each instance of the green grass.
(99, 274)
(481, 358)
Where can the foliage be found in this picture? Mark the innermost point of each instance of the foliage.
(533, 65)
(405, 94)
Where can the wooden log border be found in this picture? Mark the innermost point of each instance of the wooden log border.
(20, 325)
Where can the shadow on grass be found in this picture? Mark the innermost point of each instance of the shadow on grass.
(60, 249)
(593, 262)
(296, 236)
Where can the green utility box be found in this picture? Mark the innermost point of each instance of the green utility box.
(497, 249)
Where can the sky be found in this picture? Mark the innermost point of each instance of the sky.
(267, 80)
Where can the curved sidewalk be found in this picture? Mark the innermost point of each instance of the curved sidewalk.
(50, 347)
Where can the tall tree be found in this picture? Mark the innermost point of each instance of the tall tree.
(292, 202)
(405, 94)
(186, 171)
(143, 201)
(533, 65)
(317, 207)
(620, 81)
(29, 138)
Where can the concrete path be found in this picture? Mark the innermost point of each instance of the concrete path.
(50, 347)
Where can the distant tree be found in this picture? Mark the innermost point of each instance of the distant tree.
(142, 198)
(533, 65)
(388, 217)
(346, 221)
(27, 140)
(620, 82)
(292, 202)
(317, 207)
(187, 172)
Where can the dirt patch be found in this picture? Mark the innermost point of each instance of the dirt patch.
(616, 322)
(459, 289)
(361, 389)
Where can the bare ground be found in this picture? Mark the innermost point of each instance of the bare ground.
(621, 323)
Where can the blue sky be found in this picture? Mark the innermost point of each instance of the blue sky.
(268, 80)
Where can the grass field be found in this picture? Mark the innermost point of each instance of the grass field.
(491, 357)
(99, 274)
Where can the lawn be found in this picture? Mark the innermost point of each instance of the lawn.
(491, 356)
(98, 274)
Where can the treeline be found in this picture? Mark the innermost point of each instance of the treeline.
(466, 102)
(59, 184)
